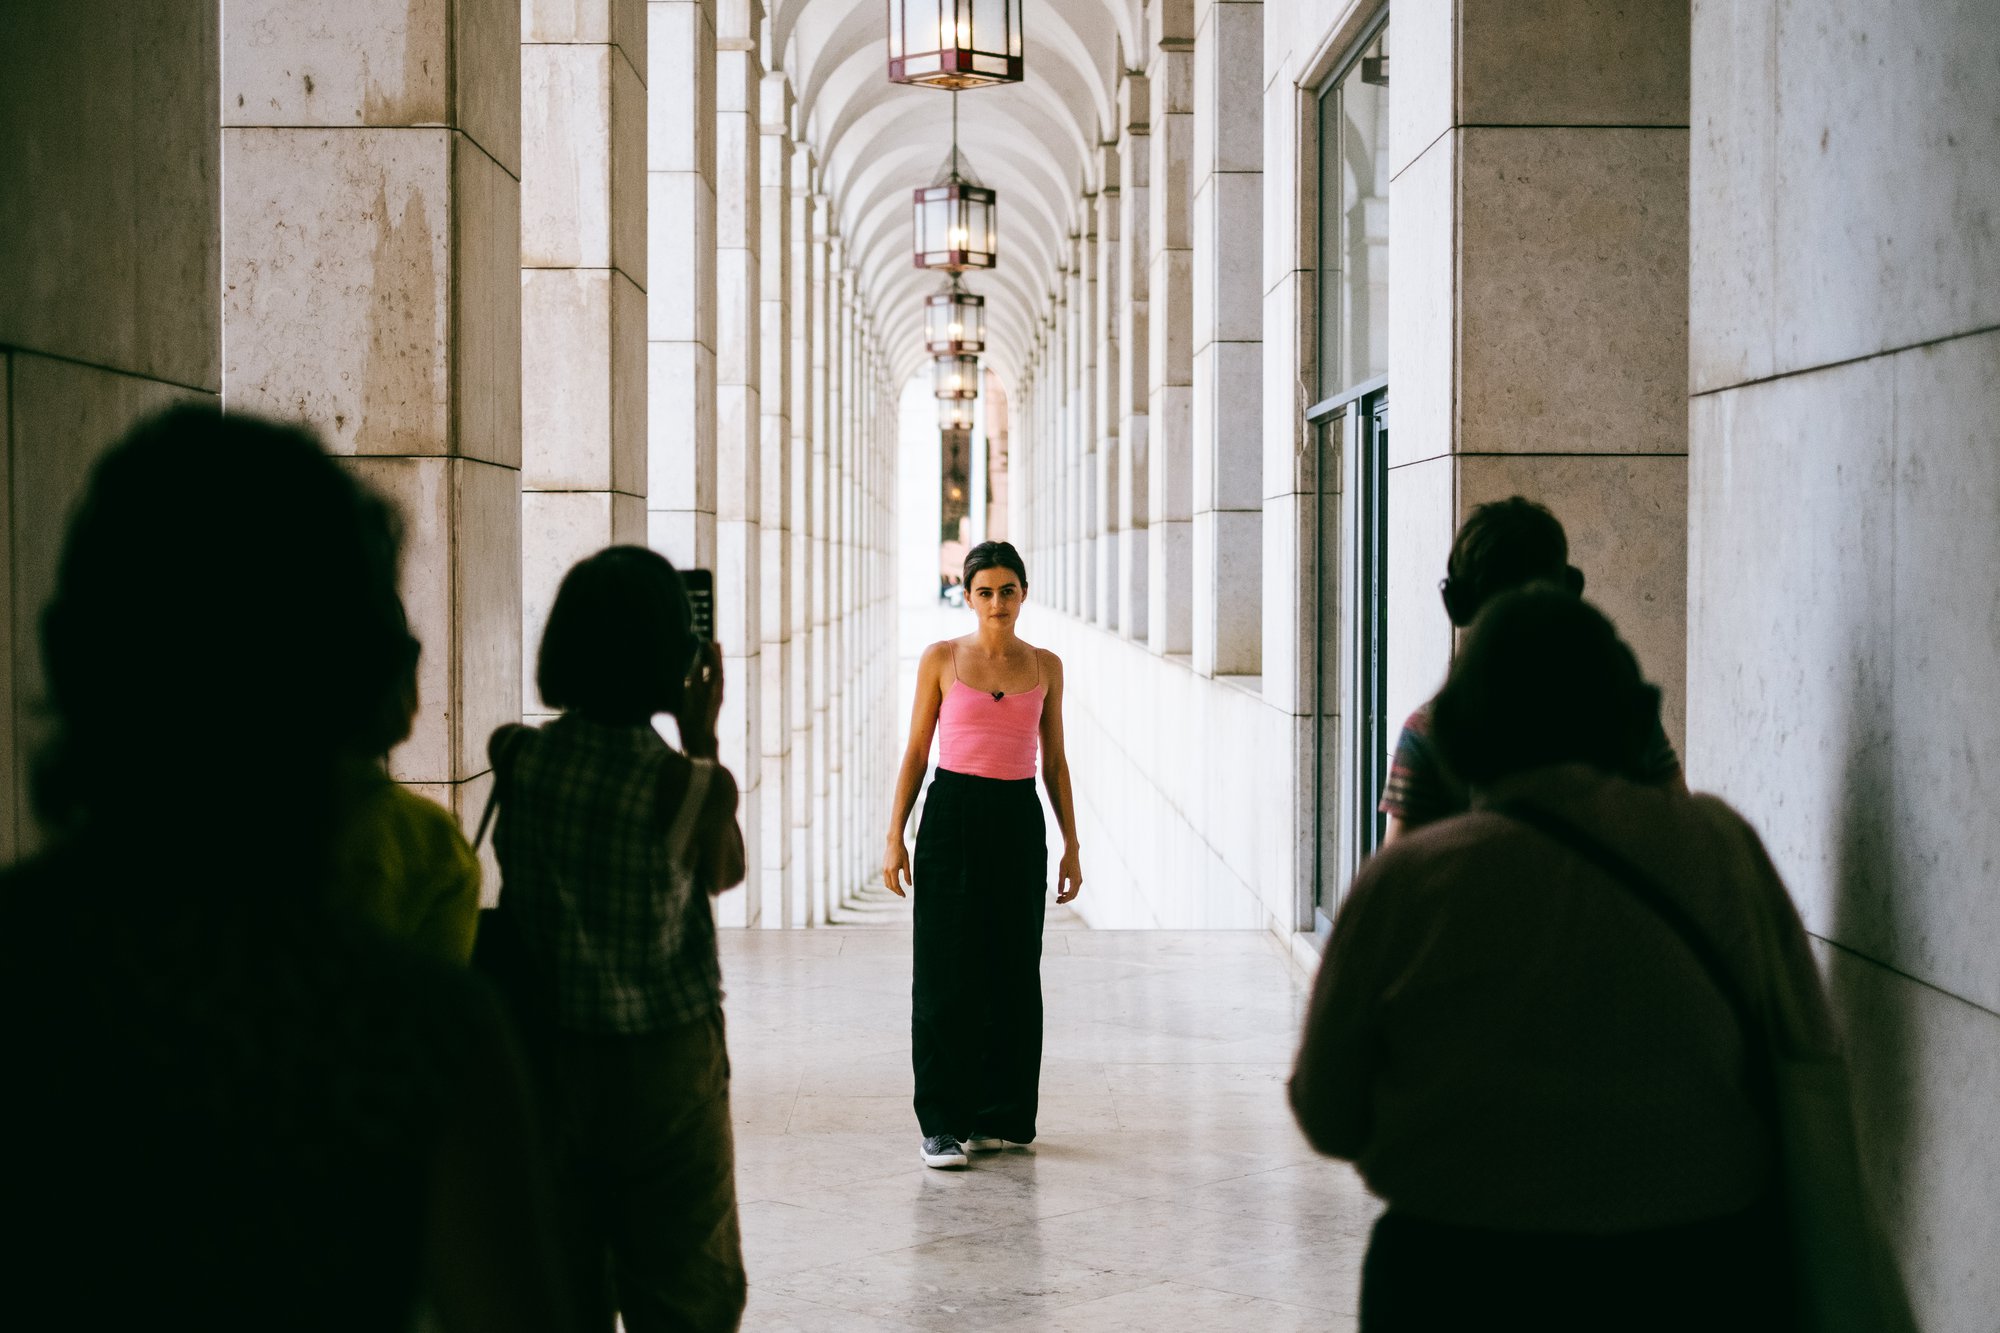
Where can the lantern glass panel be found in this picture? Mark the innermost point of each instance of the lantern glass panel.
(955, 377)
(955, 322)
(955, 43)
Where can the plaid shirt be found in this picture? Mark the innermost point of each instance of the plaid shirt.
(1421, 790)
(606, 887)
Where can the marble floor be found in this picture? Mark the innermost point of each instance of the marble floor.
(1169, 1189)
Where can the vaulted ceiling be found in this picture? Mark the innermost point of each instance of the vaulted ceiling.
(1035, 142)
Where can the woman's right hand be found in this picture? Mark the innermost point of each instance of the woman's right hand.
(701, 702)
(896, 866)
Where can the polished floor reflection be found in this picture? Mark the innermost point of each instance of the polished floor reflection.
(1169, 1190)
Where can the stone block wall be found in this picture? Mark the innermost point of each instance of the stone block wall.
(1844, 527)
(110, 186)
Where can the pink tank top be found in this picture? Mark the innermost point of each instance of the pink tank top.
(988, 737)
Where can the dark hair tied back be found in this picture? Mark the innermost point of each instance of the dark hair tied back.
(995, 555)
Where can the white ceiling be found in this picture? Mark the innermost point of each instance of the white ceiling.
(1035, 142)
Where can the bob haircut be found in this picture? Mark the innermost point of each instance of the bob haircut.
(994, 555)
(620, 638)
(1543, 679)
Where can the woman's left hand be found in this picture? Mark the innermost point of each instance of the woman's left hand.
(1069, 879)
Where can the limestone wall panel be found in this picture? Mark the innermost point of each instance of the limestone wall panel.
(110, 187)
(339, 299)
(1572, 300)
(60, 417)
(384, 63)
(1626, 518)
(1560, 62)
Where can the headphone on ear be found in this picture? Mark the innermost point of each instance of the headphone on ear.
(1463, 602)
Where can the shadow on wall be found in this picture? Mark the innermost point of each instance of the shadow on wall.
(1871, 1005)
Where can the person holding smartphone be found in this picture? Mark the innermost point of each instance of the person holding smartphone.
(611, 843)
(992, 699)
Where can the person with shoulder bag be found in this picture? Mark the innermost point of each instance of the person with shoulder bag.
(611, 844)
(1575, 1037)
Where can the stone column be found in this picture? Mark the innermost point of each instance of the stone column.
(1170, 290)
(739, 429)
(1105, 484)
(680, 267)
(371, 252)
(776, 470)
(583, 297)
(109, 113)
(1228, 490)
(1135, 491)
(1083, 406)
(826, 295)
(809, 895)
(1541, 350)
(1063, 532)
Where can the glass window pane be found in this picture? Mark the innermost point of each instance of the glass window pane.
(1364, 191)
(1353, 222)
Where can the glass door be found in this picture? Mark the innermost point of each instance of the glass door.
(1350, 434)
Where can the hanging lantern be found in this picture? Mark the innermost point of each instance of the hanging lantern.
(955, 43)
(954, 321)
(955, 228)
(956, 217)
(954, 414)
(955, 377)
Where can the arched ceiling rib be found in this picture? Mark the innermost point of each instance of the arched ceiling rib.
(1034, 142)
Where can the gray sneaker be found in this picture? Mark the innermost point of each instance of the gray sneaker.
(943, 1150)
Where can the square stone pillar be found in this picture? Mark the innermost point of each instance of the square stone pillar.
(1135, 211)
(810, 895)
(371, 286)
(1228, 492)
(1540, 347)
(1065, 534)
(681, 295)
(739, 428)
(583, 297)
(1106, 481)
(776, 473)
(1170, 398)
(826, 321)
(1083, 408)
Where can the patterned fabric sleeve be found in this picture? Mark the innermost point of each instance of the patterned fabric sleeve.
(1418, 789)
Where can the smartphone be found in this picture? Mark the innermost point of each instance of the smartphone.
(700, 585)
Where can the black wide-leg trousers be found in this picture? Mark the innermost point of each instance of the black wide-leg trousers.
(980, 880)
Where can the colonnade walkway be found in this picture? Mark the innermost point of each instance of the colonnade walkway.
(1169, 1189)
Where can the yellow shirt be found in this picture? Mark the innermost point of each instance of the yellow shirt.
(404, 865)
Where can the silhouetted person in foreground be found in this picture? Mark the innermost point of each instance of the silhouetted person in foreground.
(611, 844)
(1501, 546)
(1558, 1101)
(231, 1102)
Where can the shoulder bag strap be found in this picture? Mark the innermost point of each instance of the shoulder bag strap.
(681, 831)
(507, 748)
(1650, 895)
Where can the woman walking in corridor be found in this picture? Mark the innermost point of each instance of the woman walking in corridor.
(981, 868)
